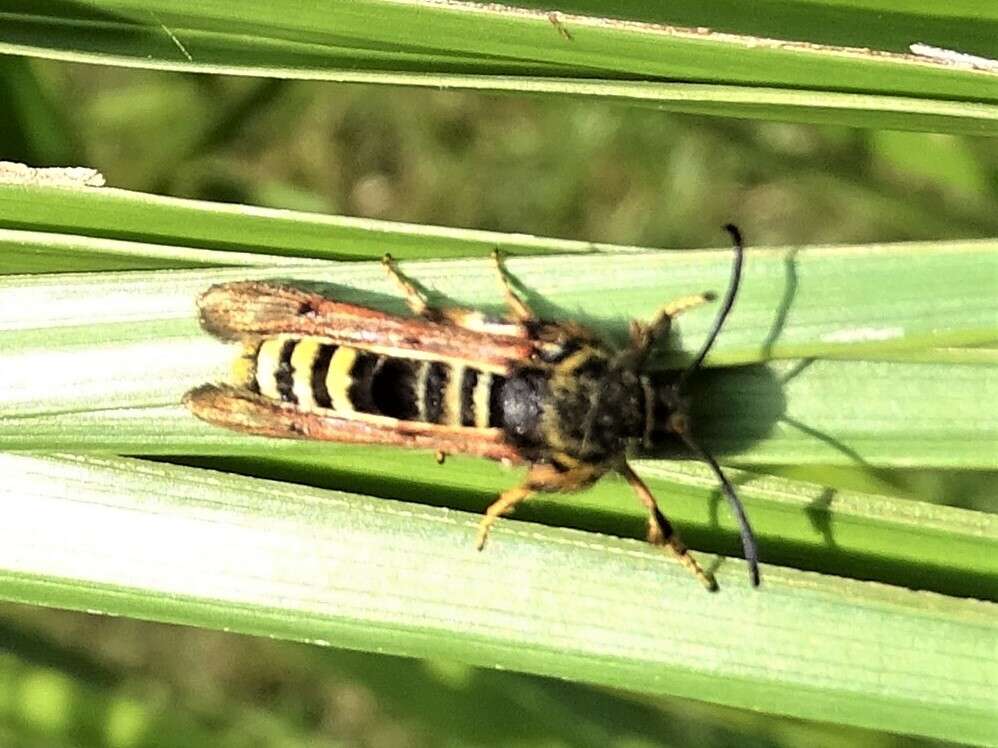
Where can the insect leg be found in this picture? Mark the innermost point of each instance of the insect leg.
(661, 532)
(555, 18)
(643, 336)
(505, 503)
(415, 298)
(541, 477)
(470, 319)
(518, 308)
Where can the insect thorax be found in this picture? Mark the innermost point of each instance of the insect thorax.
(594, 407)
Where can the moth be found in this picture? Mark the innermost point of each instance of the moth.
(519, 389)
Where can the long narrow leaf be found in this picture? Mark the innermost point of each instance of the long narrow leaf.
(782, 71)
(52, 229)
(115, 382)
(176, 544)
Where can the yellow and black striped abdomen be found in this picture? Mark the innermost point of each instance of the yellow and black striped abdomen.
(316, 374)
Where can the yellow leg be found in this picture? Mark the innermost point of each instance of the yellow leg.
(643, 336)
(660, 531)
(413, 296)
(471, 319)
(517, 306)
(684, 303)
(541, 477)
(505, 503)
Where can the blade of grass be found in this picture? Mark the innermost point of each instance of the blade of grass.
(454, 44)
(958, 9)
(150, 220)
(837, 413)
(851, 533)
(36, 252)
(492, 33)
(187, 546)
(814, 301)
(65, 384)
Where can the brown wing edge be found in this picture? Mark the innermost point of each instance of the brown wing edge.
(233, 311)
(239, 410)
(230, 311)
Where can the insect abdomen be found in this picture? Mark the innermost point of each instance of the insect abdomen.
(314, 373)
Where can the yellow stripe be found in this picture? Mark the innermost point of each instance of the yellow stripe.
(338, 379)
(268, 358)
(573, 362)
(420, 385)
(244, 367)
(481, 399)
(302, 361)
(452, 396)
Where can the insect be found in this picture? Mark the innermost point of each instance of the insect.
(518, 389)
(556, 20)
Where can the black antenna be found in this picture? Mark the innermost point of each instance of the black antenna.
(749, 547)
(722, 314)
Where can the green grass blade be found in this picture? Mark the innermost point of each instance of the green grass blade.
(837, 413)
(815, 301)
(177, 544)
(492, 34)
(69, 385)
(51, 229)
(958, 10)
(858, 534)
(35, 253)
(752, 69)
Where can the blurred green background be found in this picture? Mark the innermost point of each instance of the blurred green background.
(559, 168)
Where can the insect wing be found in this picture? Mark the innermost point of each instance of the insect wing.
(232, 311)
(236, 408)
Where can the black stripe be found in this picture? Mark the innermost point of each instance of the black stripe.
(433, 397)
(495, 401)
(361, 376)
(393, 388)
(284, 376)
(468, 382)
(320, 368)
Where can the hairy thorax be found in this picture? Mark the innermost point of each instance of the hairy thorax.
(581, 409)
